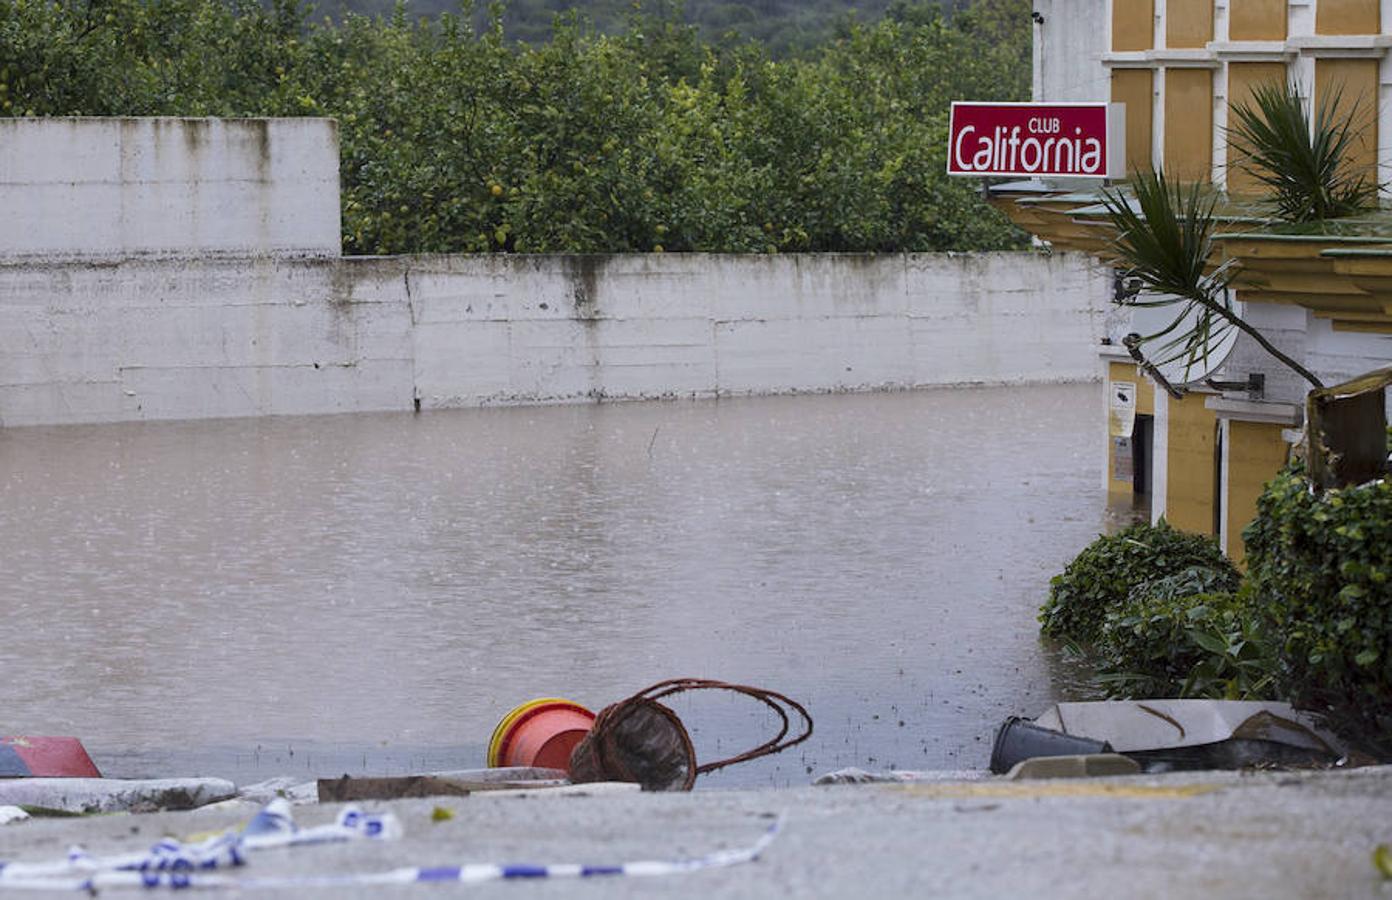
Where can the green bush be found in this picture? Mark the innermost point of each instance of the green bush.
(1103, 576)
(1320, 567)
(1310, 623)
(1209, 645)
(1198, 579)
(454, 139)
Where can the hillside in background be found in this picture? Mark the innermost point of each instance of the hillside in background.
(783, 26)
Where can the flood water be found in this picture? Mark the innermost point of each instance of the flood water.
(370, 593)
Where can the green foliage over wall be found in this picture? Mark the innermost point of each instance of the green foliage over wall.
(454, 138)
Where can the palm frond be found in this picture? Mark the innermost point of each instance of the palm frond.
(1164, 238)
(1305, 167)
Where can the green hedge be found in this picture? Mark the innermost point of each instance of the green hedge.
(1320, 567)
(1151, 560)
(1162, 614)
(1191, 645)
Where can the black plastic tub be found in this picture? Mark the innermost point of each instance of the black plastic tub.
(1019, 739)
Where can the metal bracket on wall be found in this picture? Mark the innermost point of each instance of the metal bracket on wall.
(1254, 386)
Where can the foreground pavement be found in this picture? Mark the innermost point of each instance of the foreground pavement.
(1266, 834)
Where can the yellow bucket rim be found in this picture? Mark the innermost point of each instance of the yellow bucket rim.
(495, 743)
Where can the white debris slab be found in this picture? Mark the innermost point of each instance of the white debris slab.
(1136, 725)
(291, 787)
(104, 795)
(10, 814)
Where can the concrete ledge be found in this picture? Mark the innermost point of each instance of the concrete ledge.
(1091, 765)
(1255, 411)
(104, 795)
(1193, 834)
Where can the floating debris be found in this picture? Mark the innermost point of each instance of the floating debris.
(641, 740)
(45, 757)
(444, 784)
(1170, 735)
(1020, 740)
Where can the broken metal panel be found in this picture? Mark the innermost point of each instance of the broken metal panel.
(1348, 431)
(1148, 725)
(346, 789)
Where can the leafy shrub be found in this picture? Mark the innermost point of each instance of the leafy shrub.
(1320, 566)
(1103, 576)
(1184, 583)
(1211, 645)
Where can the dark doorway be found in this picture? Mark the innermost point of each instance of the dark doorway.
(1142, 454)
(1218, 478)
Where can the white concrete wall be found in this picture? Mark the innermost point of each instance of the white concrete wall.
(115, 188)
(1333, 356)
(184, 268)
(96, 341)
(1068, 48)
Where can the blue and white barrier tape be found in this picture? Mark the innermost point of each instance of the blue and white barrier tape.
(472, 873)
(272, 827)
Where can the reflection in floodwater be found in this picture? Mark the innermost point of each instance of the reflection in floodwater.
(371, 593)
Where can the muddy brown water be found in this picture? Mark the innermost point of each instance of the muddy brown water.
(370, 593)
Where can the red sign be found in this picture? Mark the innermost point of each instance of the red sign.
(1053, 140)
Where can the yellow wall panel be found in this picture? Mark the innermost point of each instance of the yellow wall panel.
(1145, 406)
(1135, 88)
(1133, 25)
(1347, 17)
(1192, 464)
(1188, 23)
(1355, 82)
(1256, 452)
(1242, 77)
(1189, 124)
(1257, 20)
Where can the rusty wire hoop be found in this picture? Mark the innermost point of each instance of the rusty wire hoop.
(647, 699)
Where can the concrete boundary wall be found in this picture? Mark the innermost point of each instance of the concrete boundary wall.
(212, 337)
(114, 188)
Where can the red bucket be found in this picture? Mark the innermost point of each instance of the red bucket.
(540, 733)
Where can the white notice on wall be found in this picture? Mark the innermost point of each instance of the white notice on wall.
(1121, 408)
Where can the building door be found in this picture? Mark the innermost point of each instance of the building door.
(1142, 454)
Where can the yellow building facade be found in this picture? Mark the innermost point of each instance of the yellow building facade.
(1200, 460)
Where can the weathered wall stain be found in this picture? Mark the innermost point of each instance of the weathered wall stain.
(583, 271)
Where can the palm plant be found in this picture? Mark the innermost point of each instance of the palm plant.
(1165, 239)
(1305, 169)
